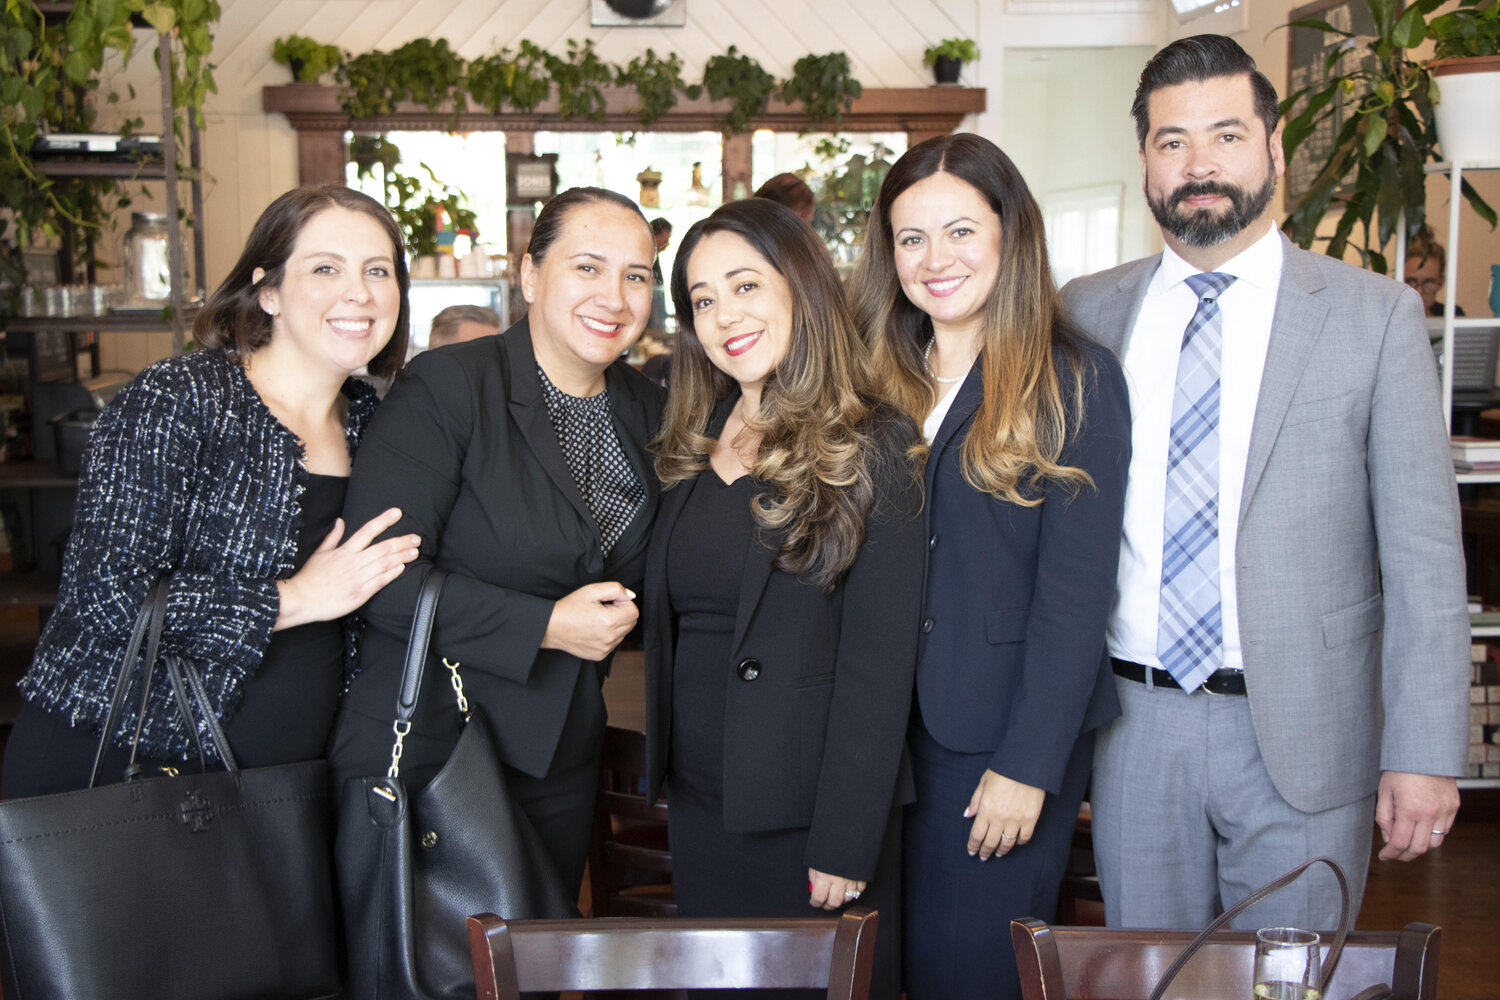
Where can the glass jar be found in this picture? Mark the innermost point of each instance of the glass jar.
(148, 268)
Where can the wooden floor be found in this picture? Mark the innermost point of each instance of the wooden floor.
(1457, 888)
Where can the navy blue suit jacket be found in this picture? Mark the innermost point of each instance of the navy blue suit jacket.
(1012, 659)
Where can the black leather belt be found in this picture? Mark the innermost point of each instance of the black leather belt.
(1221, 681)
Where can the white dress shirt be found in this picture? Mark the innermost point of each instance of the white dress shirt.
(1150, 362)
(934, 421)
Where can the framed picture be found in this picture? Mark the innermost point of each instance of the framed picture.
(1307, 67)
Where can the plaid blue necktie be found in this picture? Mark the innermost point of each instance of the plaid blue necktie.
(1190, 634)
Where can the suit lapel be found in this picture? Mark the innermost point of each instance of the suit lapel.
(529, 410)
(970, 395)
(1295, 326)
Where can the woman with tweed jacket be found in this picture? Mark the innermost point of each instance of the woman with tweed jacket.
(226, 468)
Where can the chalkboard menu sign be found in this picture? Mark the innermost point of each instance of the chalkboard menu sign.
(1307, 67)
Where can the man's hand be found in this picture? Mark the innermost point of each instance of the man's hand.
(1414, 812)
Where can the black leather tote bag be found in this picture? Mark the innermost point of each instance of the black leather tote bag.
(413, 868)
(212, 886)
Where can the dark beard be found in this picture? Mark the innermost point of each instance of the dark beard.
(1203, 228)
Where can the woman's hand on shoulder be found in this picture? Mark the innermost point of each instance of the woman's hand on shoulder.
(591, 621)
(1005, 814)
(338, 578)
(830, 891)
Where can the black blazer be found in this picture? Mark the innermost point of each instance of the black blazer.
(818, 685)
(1013, 659)
(464, 446)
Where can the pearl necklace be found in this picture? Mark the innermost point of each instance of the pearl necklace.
(927, 365)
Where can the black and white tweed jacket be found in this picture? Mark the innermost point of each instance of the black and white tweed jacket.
(187, 472)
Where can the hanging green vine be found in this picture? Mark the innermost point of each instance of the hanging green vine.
(581, 79)
(521, 82)
(741, 79)
(657, 83)
(824, 86)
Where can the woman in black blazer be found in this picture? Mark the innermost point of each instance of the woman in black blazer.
(1029, 428)
(782, 588)
(520, 461)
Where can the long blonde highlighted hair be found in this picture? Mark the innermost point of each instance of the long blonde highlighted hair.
(1034, 370)
(820, 420)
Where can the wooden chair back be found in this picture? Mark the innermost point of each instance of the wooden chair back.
(833, 953)
(1094, 963)
(630, 865)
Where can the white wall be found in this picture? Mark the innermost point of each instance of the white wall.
(1077, 137)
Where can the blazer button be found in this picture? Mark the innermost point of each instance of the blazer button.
(927, 625)
(748, 669)
(932, 542)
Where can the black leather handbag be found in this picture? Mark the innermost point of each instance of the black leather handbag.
(413, 868)
(212, 886)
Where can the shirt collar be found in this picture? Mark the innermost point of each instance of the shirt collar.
(1258, 264)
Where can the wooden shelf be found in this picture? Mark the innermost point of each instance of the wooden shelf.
(140, 322)
(33, 475)
(315, 107)
(27, 590)
(131, 170)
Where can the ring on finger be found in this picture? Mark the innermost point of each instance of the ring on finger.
(1006, 837)
(851, 893)
(1440, 833)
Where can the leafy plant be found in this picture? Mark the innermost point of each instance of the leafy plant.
(500, 79)
(425, 71)
(50, 77)
(959, 49)
(308, 60)
(824, 86)
(1385, 141)
(581, 79)
(414, 202)
(1471, 30)
(741, 79)
(657, 83)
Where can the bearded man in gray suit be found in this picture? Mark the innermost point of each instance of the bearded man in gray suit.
(1289, 636)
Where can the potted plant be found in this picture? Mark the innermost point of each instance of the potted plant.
(657, 83)
(740, 78)
(308, 60)
(1384, 142)
(823, 85)
(422, 70)
(1466, 69)
(947, 58)
(581, 79)
(520, 81)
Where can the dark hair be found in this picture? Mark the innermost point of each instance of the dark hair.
(817, 409)
(1424, 247)
(1193, 60)
(660, 225)
(233, 319)
(791, 191)
(549, 222)
(1034, 368)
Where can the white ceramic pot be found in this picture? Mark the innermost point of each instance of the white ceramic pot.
(1468, 108)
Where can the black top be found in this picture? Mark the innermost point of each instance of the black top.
(288, 707)
(705, 562)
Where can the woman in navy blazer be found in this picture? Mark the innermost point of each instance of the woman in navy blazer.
(1030, 438)
(782, 588)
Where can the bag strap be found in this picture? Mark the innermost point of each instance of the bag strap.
(416, 661)
(187, 689)
(1331, 958)
(155, 605)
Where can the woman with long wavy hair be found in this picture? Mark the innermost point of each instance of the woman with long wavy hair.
(782, 588)
(1029, 430)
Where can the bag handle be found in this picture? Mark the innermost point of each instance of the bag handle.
(148, 627)
(1331, 958)
(416, 662)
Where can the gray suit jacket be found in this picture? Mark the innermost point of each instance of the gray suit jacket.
(1350, 567)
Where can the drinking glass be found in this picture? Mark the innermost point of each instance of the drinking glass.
(1286, 964)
